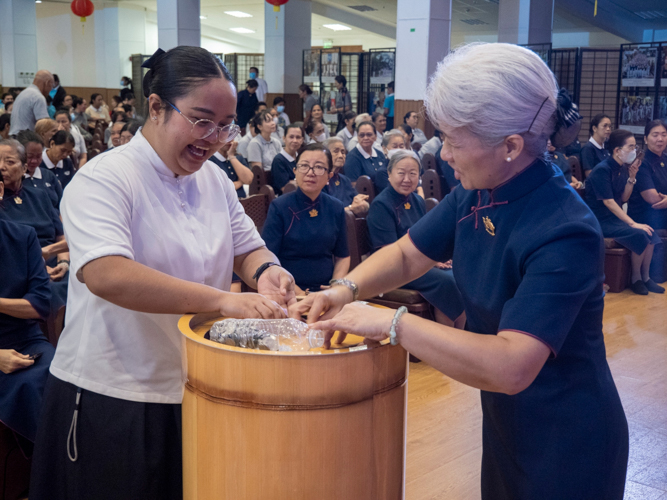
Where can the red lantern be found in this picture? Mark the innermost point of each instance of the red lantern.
(82, 8)
(276, 4)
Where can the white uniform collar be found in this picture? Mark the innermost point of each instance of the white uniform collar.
(595, 143)
(49, 164)
(286, 155)
(36, 175)
(348, 134)
(365, 154)
(219, 156)
(156, 162)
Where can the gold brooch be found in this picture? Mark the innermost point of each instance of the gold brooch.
(337, 183)
(490, 228)
(662, 163)
(407, 206)
(18, 200)
(313, 213)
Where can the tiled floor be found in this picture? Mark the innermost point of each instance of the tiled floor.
(444, 417)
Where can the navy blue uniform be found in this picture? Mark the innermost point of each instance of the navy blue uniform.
(389, 218)
(341, 188)
(23, 276)
(64, 174)
(228, 169)
(558, 159)
(652, 175)
(446, 173)
(245, 107)
(282, 171)
(306, 236)
(591, 156)
(566, 435)
(607, 181)
(356, 165)
(50, 183)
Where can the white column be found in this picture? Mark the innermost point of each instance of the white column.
(178, 23)
(18, 41)
(287, 34)
(423, 33)
(525, 21)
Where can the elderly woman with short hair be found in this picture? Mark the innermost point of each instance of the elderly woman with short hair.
(554, 426)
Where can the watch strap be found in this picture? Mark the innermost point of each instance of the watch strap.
(263, 268)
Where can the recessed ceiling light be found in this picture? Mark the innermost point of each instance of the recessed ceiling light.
(203, 17)
(237, 13)
(337, 27)
(38, 1)
(241, 30)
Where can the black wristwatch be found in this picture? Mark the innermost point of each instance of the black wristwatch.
(263, 268)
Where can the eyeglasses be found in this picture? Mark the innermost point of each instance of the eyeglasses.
(317, 169)
(202, 129)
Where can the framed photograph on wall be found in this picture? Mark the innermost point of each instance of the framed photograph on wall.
(311, 66)
(635, 113)
(330, 66)
(639, 66)
(382, 67)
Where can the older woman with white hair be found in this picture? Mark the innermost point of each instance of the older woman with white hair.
(554, 426)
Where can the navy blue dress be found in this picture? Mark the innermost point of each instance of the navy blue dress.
(607, 181)
(65, 174)
(50, 183)
(306, 235)
(558, 159)
(341, 188)
(591, 156)
(448, 180)
(566, 435)
(282, 171)
(652, 175)
(389, 218)
(356, 165)
(23, 276)
(228, 169)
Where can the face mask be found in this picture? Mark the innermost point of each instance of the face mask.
(630, 157)
(253, 76)
(123, 84)
(73, 116)
(280, 109)
(52, 93)
(321, 138)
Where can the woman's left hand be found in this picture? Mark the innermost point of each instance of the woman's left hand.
(57, 273)
(278, 285)
(359, 319)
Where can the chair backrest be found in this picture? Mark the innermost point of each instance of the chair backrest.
(431, 185)
(261, 178)
(358, 240)
(98, 145)
(289, 187)
(428, 162)
(365, 185)
(431, 203)
(416, 146)
(575, 167)
(257, 206)
(92, 153)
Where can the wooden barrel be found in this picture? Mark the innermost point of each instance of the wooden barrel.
(325, 424)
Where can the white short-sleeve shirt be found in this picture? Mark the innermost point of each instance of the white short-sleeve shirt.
(127, 202)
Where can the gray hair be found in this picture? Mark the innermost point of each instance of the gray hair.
(388, 136)
(402, 154)
(363, 117)
(332, 140)
(18, 148)
(495, 90)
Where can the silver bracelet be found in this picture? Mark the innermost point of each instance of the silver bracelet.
(394, 323)
(347, 283)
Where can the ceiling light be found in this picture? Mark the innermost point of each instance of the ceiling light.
(38, 1)
(241, 30)
(237, 13)
(203, 17)
(337, 27)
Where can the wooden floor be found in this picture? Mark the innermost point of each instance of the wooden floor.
(445, 419)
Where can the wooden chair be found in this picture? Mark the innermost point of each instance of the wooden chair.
(261, 178)
(257, 206)
(92, 153)
(416, 146)
(431, 203)
(98, 145)
(365, 185)
(289, 187)
(428, 162)
(53, 326)
(14, 466)
(617, 268)
(431, 185)
(575, 167)
(658, 270)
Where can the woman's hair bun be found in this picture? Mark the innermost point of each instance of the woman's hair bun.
(150, 63)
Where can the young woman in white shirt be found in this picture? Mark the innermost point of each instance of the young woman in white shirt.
(161, 233)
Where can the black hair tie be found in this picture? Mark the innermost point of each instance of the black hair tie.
(150, 63)
(568, 121)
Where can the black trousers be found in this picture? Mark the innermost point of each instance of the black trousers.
(124, 449)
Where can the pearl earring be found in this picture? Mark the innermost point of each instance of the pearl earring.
(153, 117)
(509, 159)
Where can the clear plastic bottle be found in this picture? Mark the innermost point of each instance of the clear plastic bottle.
(289, 335)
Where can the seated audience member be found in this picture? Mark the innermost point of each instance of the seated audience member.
(306, 228)
(380, 122)
(309, 100)
(317, 116)
(40, 178)
(24, 298)
(30, 105)
(129, 111)
(97, 111)
(128, 88)
(128, 131)
(412, 119)
(234, 166)
(7, 98)
(392, 142)
(263, 148)
(261, 106)
(24, 204)
(116, 101)
(361, 118)
(130, 101)
(594, 151)
(407, 134)
(56, 157)
(116, 116)
(46, 128)
(283, 165)
(365, 159)
(5, 120)
(115, 130)
(347, 132)
(559, 159)
(282, 120)
(432, 145)
(340, 186)
(448, 180)
(67, 102)
(246, 103)
(79, 116)
(648, 202)
(315, 132)
(391, 215)
(8, 108)
(64, 121)
(609, 185)
(243, 142)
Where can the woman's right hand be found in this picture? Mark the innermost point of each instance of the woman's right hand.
(10, 361)
(322, 305)
(249, 305)
(644, 227)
